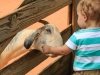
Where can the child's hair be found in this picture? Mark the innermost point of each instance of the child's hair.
(91, 8)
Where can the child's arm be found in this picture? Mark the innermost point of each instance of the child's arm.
(60, 50)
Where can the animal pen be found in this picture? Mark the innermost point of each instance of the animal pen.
(29, 12)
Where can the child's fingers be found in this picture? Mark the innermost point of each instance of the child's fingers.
(43, 48)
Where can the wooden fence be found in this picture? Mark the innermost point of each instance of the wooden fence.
(28, 13)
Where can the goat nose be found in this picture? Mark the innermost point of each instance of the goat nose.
(27, 44)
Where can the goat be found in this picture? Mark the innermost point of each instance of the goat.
(27, 40)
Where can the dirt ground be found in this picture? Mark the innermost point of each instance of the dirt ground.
(59, 18)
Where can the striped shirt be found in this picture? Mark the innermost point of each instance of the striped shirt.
(86, 43)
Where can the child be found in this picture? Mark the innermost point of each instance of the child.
(85, 42)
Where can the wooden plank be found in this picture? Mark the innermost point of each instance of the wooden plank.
(25, 2)
(74, 15)
(66, 33)
(70, 14)
(29, 61)
(75, 26)
(24, 64)
(65, 68)
(27, 15)
(58, 67)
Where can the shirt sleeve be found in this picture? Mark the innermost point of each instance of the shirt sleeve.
(72, 42)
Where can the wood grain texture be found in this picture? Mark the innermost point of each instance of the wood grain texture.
(33, 58)
(58, 67)
(27, 15)
(26, 2)
(24, 64)
(66, 33)
(75, 26)
(74, 15)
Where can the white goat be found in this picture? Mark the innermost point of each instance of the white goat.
(29, 39)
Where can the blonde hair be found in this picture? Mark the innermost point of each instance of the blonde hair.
(91, 8)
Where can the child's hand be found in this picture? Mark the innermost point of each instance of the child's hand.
(46, 49)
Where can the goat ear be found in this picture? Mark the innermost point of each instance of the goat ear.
(30, 39)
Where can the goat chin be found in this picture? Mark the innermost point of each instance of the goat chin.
(51, 55)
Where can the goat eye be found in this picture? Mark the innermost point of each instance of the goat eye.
(48, 30)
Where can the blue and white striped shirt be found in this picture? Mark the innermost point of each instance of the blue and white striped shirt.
(86, 42)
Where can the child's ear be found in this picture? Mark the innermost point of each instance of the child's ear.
(85, 16)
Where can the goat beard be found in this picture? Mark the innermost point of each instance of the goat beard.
(51, 55)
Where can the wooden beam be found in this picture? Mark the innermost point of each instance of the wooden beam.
(74, 15)
(66, 33)
(27, 15)
(25, 2)
(24, 64)
(58, 67)
(75, 27)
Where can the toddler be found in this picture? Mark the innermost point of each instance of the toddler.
(85, 41)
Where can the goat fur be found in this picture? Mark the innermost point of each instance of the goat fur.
(27, 40)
